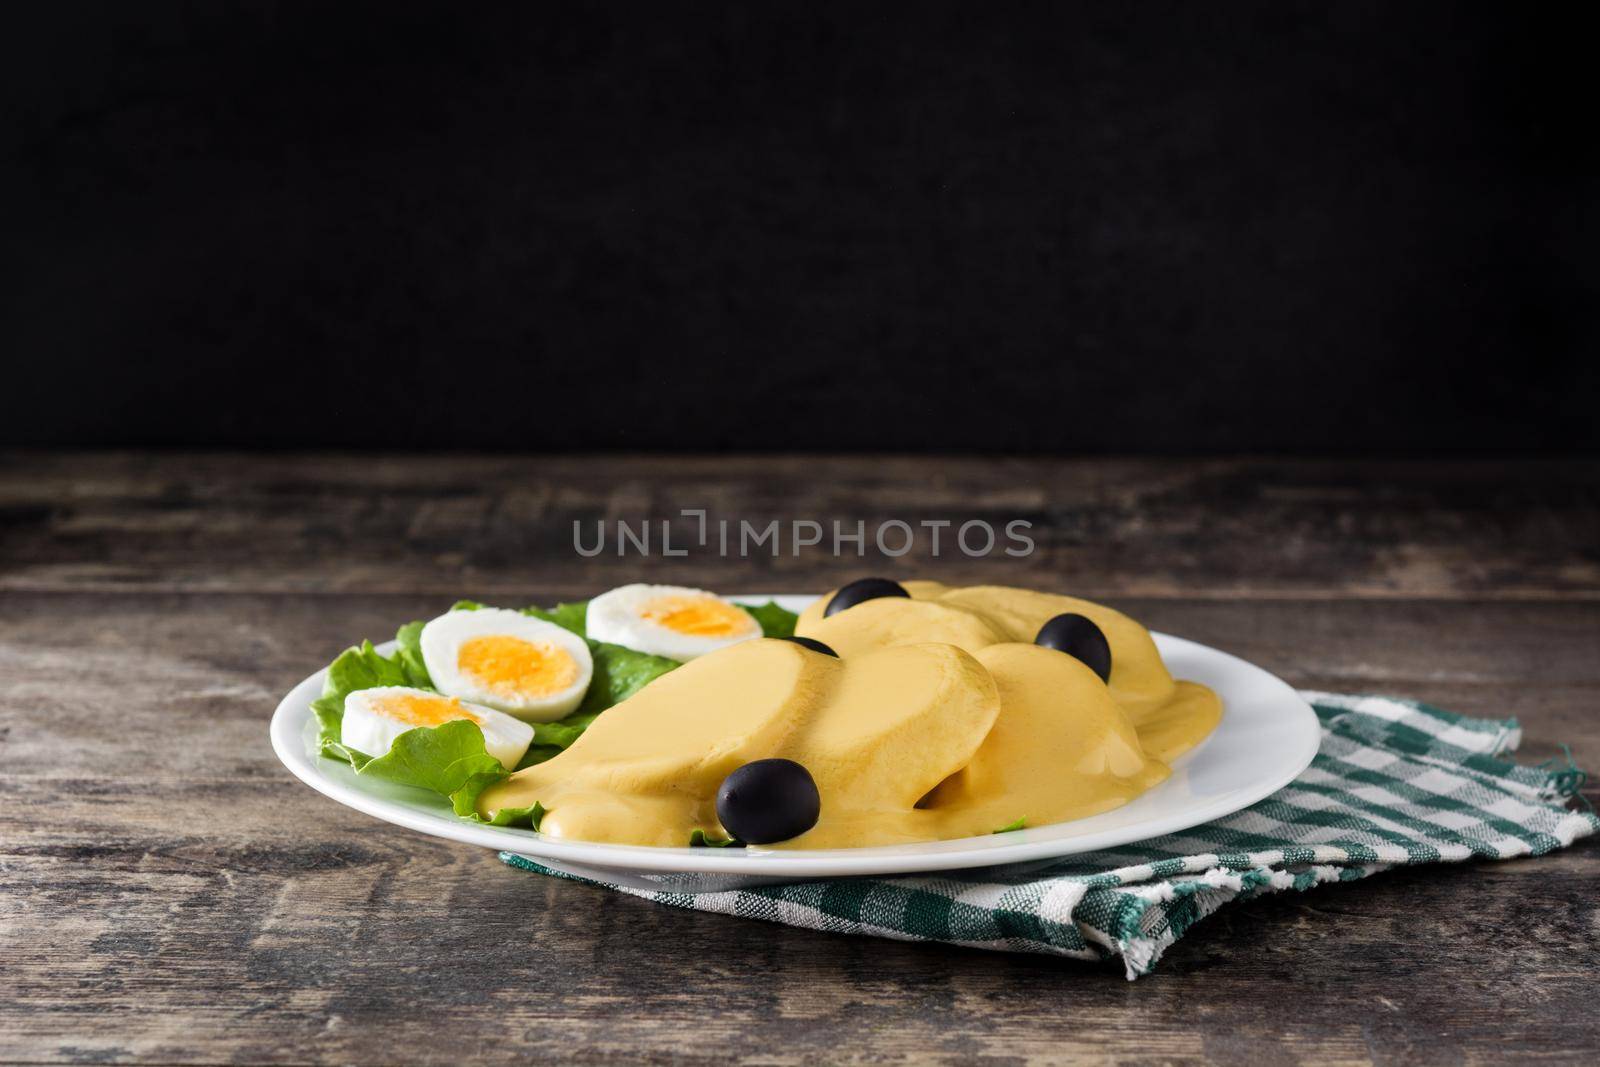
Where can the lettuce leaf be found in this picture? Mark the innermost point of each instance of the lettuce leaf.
(465, 803)
(444, 759)
(618, 674)
(775, 621)
(440, 758)
(364, 667)
(698, 838)
(538, 753)
(572, 617)
(1019, 824)
(409, 638)
(528, 818)
(451, 760)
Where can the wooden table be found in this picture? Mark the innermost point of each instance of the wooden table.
(169, 894)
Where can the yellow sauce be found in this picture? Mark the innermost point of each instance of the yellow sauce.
(939, 720)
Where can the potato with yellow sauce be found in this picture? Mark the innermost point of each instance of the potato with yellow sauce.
(877, 734)
(939, 718)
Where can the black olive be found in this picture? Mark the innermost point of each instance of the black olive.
(861, 591)
(1079, 638)
(813, 644)
(768, 800)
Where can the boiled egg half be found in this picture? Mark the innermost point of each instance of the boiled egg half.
(373, 718)
(668, 620)
(503, 659)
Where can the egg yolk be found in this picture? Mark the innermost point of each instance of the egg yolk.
(510, 666)
(417, 710)
(698, 616)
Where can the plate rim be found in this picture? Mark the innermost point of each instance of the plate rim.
(290, 717)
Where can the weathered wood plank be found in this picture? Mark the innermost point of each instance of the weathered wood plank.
(167, 893)
(447, 525)
(392, 947)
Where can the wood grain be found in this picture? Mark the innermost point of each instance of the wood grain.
(455, 525)
(169, 894)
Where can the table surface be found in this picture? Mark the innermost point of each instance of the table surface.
(168, 893)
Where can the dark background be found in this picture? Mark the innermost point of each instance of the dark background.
(1136, 228)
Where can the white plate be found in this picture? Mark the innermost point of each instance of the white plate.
(1268, 735)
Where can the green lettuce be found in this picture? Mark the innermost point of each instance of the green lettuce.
(1018, 825)
(409, 653)
(465, 803)
(364, 667)
(775, 621)
(572, 617)
(440, 758)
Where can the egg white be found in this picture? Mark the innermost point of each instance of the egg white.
(443, 637)
(371, 728)
(618, 617)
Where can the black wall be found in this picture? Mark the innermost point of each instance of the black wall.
(1120, 227)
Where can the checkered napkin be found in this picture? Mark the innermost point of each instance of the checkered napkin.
(1396, 782)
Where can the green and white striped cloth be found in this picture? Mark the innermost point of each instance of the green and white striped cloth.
(1396, 782)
